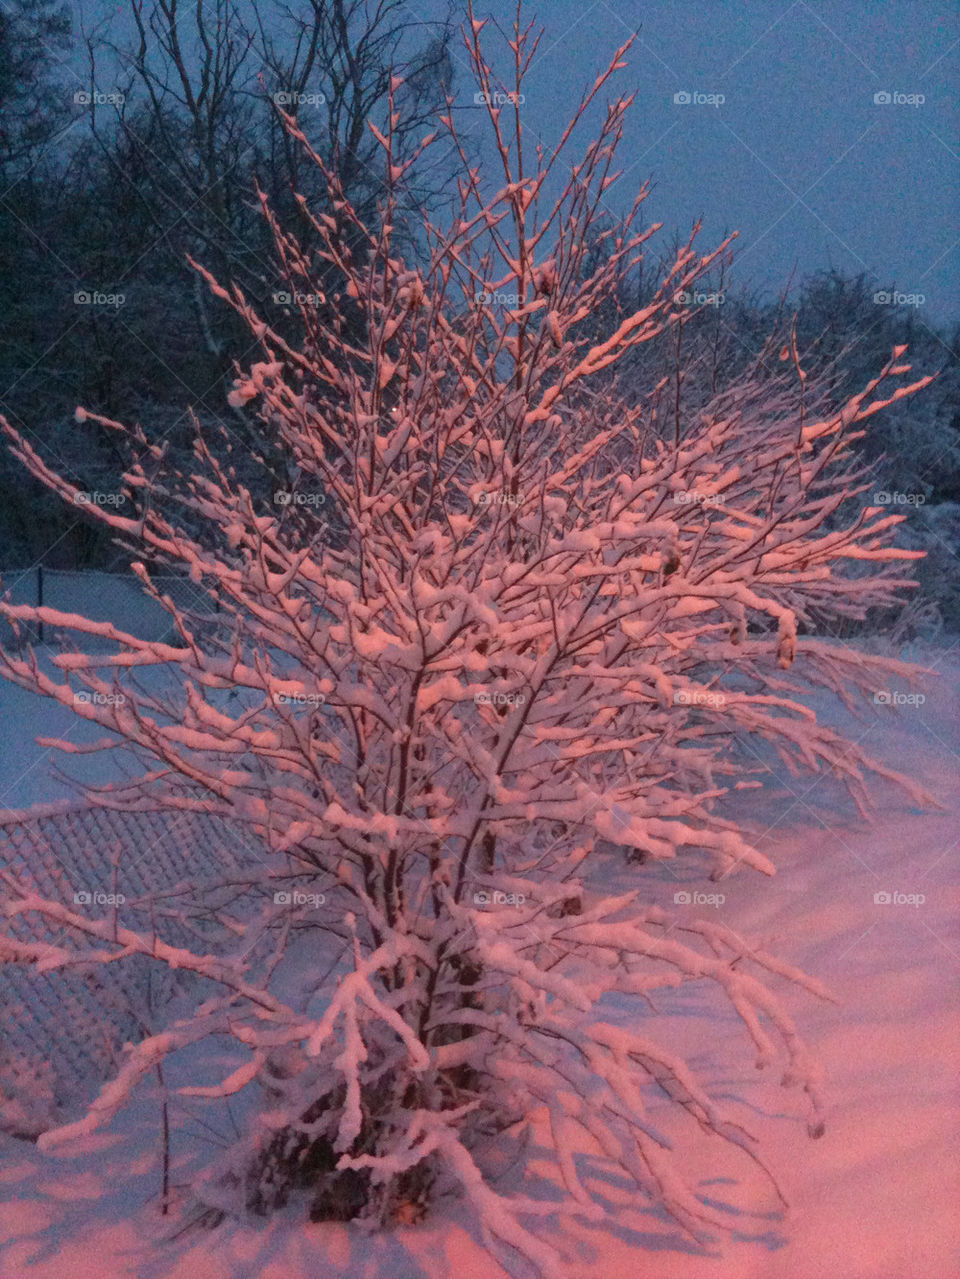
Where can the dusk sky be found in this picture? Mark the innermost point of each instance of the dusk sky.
(798, 157)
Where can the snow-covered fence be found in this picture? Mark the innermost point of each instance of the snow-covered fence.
(61, 1031)
(106, 597)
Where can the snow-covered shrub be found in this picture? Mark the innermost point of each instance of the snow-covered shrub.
(911, 454)
(538, 624)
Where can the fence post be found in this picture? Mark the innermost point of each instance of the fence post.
(40, 598)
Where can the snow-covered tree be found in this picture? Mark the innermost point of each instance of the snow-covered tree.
(495, 622)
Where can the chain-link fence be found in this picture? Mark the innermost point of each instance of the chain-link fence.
(62, 1031)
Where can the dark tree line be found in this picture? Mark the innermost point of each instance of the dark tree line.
(111, 179)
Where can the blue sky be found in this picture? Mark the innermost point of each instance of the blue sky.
(798, 158)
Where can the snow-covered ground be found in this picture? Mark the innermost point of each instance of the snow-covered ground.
(875, 1198)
